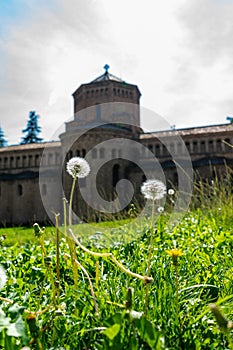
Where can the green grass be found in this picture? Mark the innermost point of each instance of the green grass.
(178, 314)
(21, 235)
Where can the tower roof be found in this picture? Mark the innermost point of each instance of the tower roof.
(107, 76)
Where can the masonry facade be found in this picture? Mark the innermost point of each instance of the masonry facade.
(106, 130)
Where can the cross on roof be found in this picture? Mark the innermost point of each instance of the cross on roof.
(106, 67)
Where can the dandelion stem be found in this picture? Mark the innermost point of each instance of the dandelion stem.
(146, 279)
(177, 293)
(151, 238)
(97, 273)
(65, 214)
(91, 286)
(7, 300)
(71, 200)
(70, 242)
(150, 255)
(57, 284)
(42, 248)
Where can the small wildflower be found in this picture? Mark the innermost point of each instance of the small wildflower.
(160, 210)
(171, 192)
(153, 189)
(78, 167)
(174, 254)
(3, 277)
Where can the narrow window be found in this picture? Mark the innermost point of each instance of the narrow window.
(115, 174)
(165, 151)
(24, 161)
(17, 162)
(20, 190)
(203, 147)
(211, 145)
(50, 160)
(102, 152)
(151, 148)
(94, 153)
(195, 147)
(187, 144)
(219, 145)
(30, 160)
(37, 159)
(57, 158)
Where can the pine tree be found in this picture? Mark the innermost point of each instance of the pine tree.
(3, 141)
(32, 130)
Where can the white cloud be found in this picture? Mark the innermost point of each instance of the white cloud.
(43, 56)
(202, 84)
(178, 52)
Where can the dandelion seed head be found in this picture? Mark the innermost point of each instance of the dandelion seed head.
(3, 277)
(78, 167)
(153, 189)
(160, 210)
(171, 192)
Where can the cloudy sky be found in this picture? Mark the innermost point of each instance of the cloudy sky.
(179, 53)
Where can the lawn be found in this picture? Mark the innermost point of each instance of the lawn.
(94, 292)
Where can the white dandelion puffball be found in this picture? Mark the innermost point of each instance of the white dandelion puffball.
(3, 277)
(160, 210)
(153, 189)
(78, 167)
(171, 192)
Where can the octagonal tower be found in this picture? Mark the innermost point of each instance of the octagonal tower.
(105, 109)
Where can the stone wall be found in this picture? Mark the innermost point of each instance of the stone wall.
(21, 198)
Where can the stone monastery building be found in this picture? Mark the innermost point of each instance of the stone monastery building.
(106, 131)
